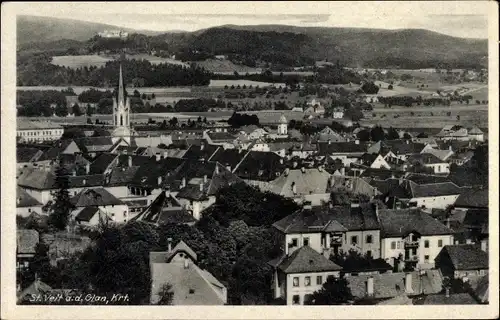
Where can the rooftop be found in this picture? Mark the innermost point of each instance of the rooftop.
(306, 259)
(401, 222)
(466, 256)
(36, 125)
(95, 197)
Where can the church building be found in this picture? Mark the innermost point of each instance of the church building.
(121, 114)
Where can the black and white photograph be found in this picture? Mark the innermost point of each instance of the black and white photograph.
(331, 154)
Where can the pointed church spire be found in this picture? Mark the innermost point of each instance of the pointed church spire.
(121, 92)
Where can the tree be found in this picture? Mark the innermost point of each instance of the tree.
(335, 291)
(89, 121)
(90, 110)
(62, 207)
(377, 133)
(76, 110)
(370, 88)
(137, 94)
(390, 87)
(173, 122)
(143, 96)
(61, 110)
(392, 134)
(205, 120)
(166, 295)
(406, 136)
(153, 96)
(363, 135)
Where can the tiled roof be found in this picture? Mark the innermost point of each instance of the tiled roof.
(102, 163)
(473, 198)
(122, 176)
(476, 218)
(95, 197)
(454, 298)
(481, 289)
(25, 200)
(401, 147)
(164, 209)
(33, 125)
(27, 239)
(466, 256)
(309, 181)
(440, 154)
(147, 174)
(380, 174)
(433, 190)
(328, 148)
(27, 154)
(398, 223)
(190, 285)
(263, 166)
(230, 157)
(34, 178)
(87, 213)
(306, 259)
(218, 136)
(94, 180)
(423, 158)
(426, 179)
(56, 150)
(338, 218)
(389, 285)
(204, 151)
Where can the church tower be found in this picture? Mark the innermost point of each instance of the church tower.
(121, 113)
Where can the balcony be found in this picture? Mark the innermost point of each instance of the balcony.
(411, 244)
(412, 258)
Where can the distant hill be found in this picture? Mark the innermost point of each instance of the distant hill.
(288, 45)
(33, 29)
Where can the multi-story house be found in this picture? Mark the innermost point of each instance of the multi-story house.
(331, 230)
(411, 237)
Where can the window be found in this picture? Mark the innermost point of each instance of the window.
(440, 243)
(426, 243)
(369, 238)
(296, 299)
(319, 280)
(354, 240)
(295, 281)
(426, 258)
(393, 245)
(306, 241)
(369, 253)
(307, 281)
(294, 242)
(399, 244)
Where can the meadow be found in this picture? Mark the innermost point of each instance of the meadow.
(100, 60)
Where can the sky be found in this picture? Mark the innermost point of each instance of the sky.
(468, 19)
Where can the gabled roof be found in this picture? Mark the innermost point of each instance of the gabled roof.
(306, 259)
(55, 151)
(466, 256)
(25, 200)
(221, 136)
(229, 157)
(263, 166)
(122, 176)
(164, 209)
(95, 197)
(329, 148)
(309, 181)
(34, 178)
(454, 298)
(191, 286)
(204, 151)
(86, 181)
(401, 147)
(426, 178)
(473, 198)
(440, 154)
(433, 190)
(86, 214)
(102, 163)
(399, 223)
(337, 218)
(27, 154)
(27, 239)
(147, 174)
(389, 285)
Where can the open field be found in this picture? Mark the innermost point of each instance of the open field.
(222, 83)
(80, 61)
(100, 60)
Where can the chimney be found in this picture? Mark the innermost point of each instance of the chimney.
(287, 172)
(369, 286)
(295, 164)
(183, 183)
(407, 141)
(356, 141)
(202, 145)
(281, 160)
(376, 212)
(186, 263)
(303, 169)
(159, 180)
(158, 156)
(329, 141)
(408, 284)
(201, 187)
(84, 181)
(205, 179)
(129, 161)
(448, 223)
(320, 168)
(447, 292)
(74, 173)
(169, 241)
(216, 168)
(87, 168)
